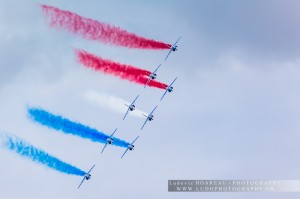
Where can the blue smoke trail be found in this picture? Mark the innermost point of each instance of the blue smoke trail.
(25, 149)
(59, 123)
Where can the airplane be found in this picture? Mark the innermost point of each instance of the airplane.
(109, 140)
(86, 176)
(173, 48)
(168, 89)
(149, 117)
(130, 146)
(131, 107)
(152, 76)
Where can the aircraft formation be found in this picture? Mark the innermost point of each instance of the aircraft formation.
(82, 26)
(131, 107)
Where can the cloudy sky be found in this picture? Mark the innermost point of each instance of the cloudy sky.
(234, 113)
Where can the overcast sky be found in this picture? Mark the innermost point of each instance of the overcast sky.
(234, 112)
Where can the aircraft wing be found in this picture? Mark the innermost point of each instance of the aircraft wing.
(104, 147)
(144, 123)
(135, 100)
(113, 132)
(91, 168)
(164, 94)
(177, 41)
(149, 79)
(124, 153)
(172, 82)
(126, 114)
(156, 69)
(168, 54)
(135, 140)
(153, 111)
(81, 182)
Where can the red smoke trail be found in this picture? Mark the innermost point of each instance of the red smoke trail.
(153, 83)
(107, 66)
(124, 71)
(95, 30)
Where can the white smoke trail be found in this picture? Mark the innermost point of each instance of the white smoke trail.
(114, 103)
